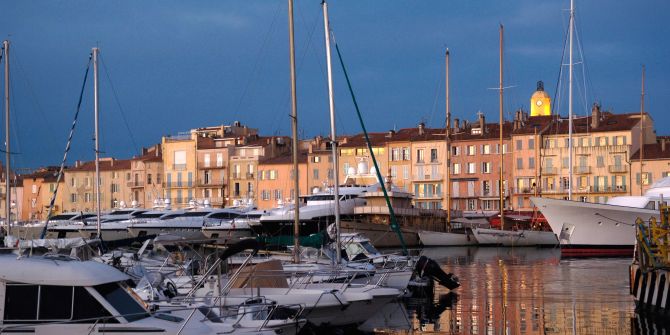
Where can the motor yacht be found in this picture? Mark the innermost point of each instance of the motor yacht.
(585, 228)
(186, 225)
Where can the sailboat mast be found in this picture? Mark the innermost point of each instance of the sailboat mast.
(333, 134)
(97, 139)
(294, 134)
(642, 117)
(8, 203)
(500, 184)
(571, 28)
(448, 138)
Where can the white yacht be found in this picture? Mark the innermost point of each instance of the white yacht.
(186, 225)
(89, 297)
(226, 227)
(317, 213)
(606, 229)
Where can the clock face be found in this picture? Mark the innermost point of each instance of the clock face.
(539, 103)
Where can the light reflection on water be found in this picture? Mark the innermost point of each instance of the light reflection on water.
(531, 291)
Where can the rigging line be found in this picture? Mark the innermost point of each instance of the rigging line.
(394, 223)
(67, 149)
(556, 102)
(255, 70)
(36, 102)
(118, 103)
(301, 63)
(438, 89)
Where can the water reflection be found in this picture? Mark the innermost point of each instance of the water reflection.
(646, 325)
(528, 291)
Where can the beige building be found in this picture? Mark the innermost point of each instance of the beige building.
(355, 157)
(115, 176)
(276, 179)
(429, 163)
(146, 177)
(655, 165)
(602, 147)
(475, 166)
(319, 173)
(179, 168)
(39, 188)
(244, 158)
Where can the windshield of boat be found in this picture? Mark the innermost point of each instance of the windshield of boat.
(149, 215)
(84, 216)
(118, 296)
(62, 217)
(120, 212)
(223, 216)
(194, 214)
(369, 247)
(321, 197)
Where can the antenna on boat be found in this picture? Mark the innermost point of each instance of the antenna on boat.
(448, 138)
(96, 108)
(502, 123)
(8, 210)
(294, 134)
(570, 149)
(642, 119)
(333, 135)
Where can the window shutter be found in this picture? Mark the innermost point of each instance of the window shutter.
(638, 178)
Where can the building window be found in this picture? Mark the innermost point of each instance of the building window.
(331, 174)
(565, 162)
(346, 169)
(486, 149)
(395, 154)
(73, 182)
(519, 145)
(394, 172)
(73, 197)
(405, 154)
(472, 168)
(457, 168)
(455, 150)
(207, 160)
(531, 143)
(486, 167)
(419, 155)
(531, 163)
(149, 181)
(405, 172)
(278, 195)
(265, 195)
(273, 174)
(471, 150)
(315, 174)
(600, 161)
(114, 188)
(316, 159)
(219, 160)
(486, 187)
(433, 155)
(472, 204)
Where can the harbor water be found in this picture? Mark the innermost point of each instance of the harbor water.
(527, 291)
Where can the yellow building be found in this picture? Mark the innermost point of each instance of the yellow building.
(540, 102)
(655, 165)
(276, 179)
(179, 168)
(39, 187)
(80, 185)
(146, 177)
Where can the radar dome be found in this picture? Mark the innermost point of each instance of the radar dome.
(362, 167)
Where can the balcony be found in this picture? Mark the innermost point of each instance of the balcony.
(610, 189)
(549, 170)
(178, 184)
(429, 176)
(581, 169)
(424, 195)
(524, 190)
(134, 184)
(178, 167)
(210, 183)
(236, 175)
(202, 165)
(618, 168)
(249, 176)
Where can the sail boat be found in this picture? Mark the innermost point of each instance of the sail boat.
(450, 237)
(509, 238)
(594, 229)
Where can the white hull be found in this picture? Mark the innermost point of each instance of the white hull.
(225, 236)
(583, 224)
(440, 239)
(188, 233)
(514, 238)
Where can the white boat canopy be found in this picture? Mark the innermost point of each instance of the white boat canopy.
(57, 270)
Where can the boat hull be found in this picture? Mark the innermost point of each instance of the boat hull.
(514, 238)
(651, 290)
(382, 235)
(587, 228)
(441, 239)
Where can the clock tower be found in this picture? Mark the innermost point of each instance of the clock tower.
(540, 102)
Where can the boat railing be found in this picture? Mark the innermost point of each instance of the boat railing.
(653, 241)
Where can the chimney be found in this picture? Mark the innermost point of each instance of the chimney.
(457, 124)
(662, 144)
(595, 116)
(482, 122)
(421, 128)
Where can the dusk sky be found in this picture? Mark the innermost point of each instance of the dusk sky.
(170, 66)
